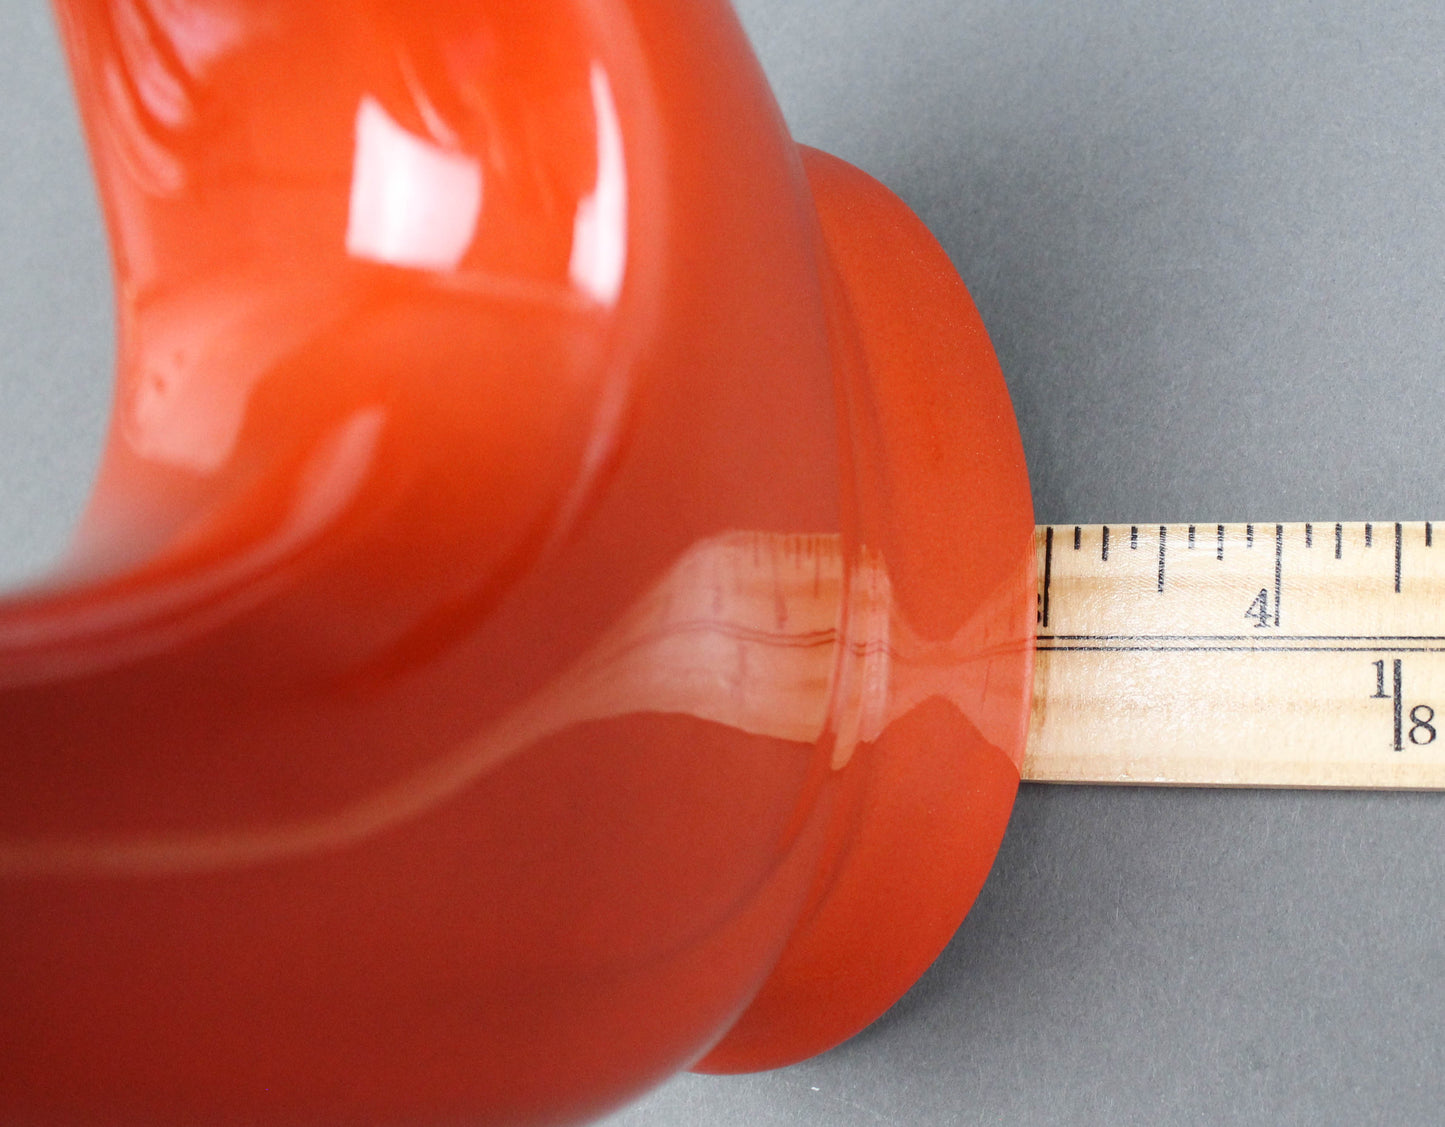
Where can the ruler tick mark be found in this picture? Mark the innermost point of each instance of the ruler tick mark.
(1249, 536)
(1219, 553)
(1339, 541)
(1104, 542)
(1191, 536)
(1309, 536)
(1369, 535)
(1399, 536)
(1428, 534)
(1048, 570)
(1133, 536)
(1078, 537)
(1278, 568)
(1163, 532)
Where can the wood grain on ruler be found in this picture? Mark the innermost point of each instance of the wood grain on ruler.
(1302, 655)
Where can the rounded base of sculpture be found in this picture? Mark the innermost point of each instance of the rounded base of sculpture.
(922, 809)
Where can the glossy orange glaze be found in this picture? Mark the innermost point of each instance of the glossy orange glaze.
(558, 573)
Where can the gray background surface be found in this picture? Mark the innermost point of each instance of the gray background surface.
(1209, 242)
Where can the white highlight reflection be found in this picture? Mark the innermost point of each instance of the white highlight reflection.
(599, 231)
(413, 203)
(199, 32)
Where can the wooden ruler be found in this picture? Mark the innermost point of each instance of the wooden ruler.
(1299, 655)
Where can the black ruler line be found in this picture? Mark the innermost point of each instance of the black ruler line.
(1163, 532)
(1240, 638)
(1399, 704)
(1266, 649)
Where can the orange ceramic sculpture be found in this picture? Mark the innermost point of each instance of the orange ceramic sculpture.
(555, 605)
